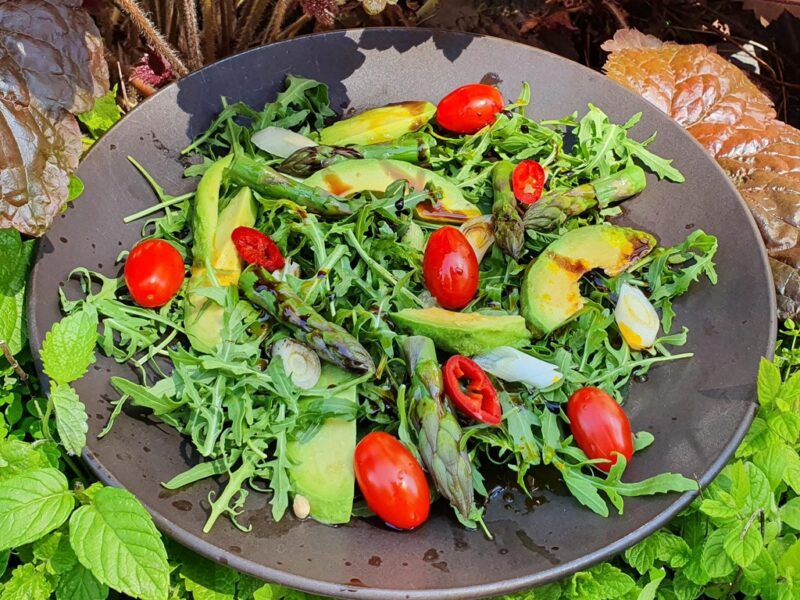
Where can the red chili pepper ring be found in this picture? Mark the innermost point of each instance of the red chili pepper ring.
(471, 390)
(255, 248)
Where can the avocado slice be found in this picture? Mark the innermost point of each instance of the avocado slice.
(378, 125)
(550, 294)
(375, 175)
(203, 317)
(463, 333)
(322, 468)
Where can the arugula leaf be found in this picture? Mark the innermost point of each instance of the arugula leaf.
(68, 348)
(116, 540)
(32, 504)
(105, 113)
(79, 584)
(71, 418)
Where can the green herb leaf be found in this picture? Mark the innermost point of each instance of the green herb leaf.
(649, 591)
(768, 383)
(32, 504)
(116, 540)
(79, 584)
(716, 561)
(71, 418)
(68, 347)
(790, 513)
(12, 321)
(743, 545)
(103, 115)
(27, 582)
(207, 580)
(75, 188)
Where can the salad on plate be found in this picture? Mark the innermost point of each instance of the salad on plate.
(365, 315)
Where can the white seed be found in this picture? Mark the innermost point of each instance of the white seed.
(301, 507)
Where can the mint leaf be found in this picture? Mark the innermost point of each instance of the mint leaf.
(694, 569)
(79, 584)
(715, 560)
(12, 314)
(642, 556)
(207, 580)
(790, 513)
(759, 574)
(743, 545)
(32, 504)
(749, 487)
(789, 563)
(27, 582)
(768, 383)
(75, 188)
(103, 115)
(684, 588)
(723, 507)
(116, 540)
(756, 439)
(612, 581)
(19, 457)
(16, 259)
(786, 425)
(4, 555)
(71, 418)
(772, 462)
(68, 347)
(790, 392)
(649, 591)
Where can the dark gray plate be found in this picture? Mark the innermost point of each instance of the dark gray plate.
(698, 409)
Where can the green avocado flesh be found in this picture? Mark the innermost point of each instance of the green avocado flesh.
(322, 468)
(375, 175)
(550, 293)
(463, 333)
(379, 125)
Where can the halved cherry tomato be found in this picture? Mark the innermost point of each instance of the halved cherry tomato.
(600, 426)
(154, 273)
(450, 268)
(469, 108)
(528, 181)
(471, 390)
(255, 248)
(391, 480)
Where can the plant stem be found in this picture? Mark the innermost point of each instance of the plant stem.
(154, 209)
(192, 34)
(149, 31)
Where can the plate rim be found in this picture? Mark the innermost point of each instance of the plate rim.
(315, 586)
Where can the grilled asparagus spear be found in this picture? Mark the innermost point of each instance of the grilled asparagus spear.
(509, 230)
(555, 208)
(438, 431)
(412, 147)
(265, 180)
(330, 341)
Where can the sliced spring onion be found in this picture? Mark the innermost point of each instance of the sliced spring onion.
(479, 232)
(636, 318)
(280, 142)
(510, 364)
(300, 362)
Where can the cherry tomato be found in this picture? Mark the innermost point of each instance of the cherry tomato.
(471, 390)
(450, 268)
(391, 480)
(600, 426)
(255, 248)
(469, 108)
(528, 181)
(154, 273)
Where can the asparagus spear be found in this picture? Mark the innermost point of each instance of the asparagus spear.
(413, 148)
(265, 180)
(509, 230)
(552, 210)
(330, 341)
(439, 433)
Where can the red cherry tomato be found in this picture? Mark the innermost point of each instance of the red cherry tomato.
(154, 273)
(528, 181)
(600, 426)
(469, 108)
(255, 248)
(391, 480)
(450, 268)
(471, 390)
